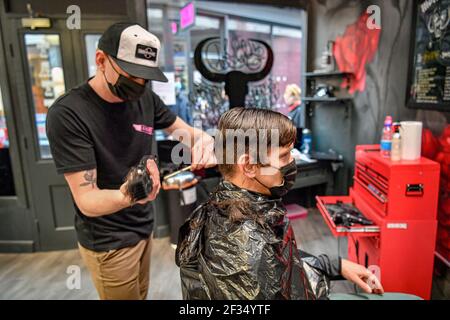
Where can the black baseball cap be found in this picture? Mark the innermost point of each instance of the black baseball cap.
(134, 49)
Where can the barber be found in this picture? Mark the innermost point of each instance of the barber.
(97, 132)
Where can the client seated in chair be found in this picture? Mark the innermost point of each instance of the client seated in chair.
(240, 244)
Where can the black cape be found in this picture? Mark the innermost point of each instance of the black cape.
(255, 258)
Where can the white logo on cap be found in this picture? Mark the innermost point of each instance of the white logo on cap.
(148, 52)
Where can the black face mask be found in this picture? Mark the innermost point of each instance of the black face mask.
(289, 174)
(124, 88)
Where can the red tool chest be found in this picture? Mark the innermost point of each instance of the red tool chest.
(401, 198)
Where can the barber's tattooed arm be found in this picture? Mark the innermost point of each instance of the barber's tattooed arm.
(95, 202)
(89, 179)
(90, 199)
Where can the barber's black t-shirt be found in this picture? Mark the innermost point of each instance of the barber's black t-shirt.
(86, 132)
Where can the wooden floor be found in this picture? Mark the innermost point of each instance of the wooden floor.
(43, 275)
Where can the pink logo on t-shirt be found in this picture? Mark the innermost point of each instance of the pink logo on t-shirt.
(144, 129)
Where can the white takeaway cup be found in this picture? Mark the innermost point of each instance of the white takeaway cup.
(411, 134)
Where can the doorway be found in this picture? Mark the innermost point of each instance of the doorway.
(48, 62)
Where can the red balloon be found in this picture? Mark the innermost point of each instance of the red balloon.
(444, 143)
(445, 205)
(444, 236)
(444, 159)
(430, 144)
(440, 157)
(444, 140)
(445, 166)
(444, 219)
(446, 132)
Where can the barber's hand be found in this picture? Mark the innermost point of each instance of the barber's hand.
(362, 277)
(153, 171)
(203, 155)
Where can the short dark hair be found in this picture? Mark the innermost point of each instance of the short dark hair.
(261, 120)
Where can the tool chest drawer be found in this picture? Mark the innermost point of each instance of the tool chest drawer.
(324, 204)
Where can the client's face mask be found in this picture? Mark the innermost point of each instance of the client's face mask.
(289, 174)
(124, 88)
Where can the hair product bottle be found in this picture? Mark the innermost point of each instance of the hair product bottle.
(396, 150)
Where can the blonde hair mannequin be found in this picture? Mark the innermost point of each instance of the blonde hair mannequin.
(292, 94)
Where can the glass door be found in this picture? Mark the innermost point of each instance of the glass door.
(6, 175)
(52, 62)
(49, 70)
(46, 72)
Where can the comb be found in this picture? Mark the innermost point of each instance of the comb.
(177, 172)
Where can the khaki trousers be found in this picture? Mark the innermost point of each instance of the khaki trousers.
(122, 274)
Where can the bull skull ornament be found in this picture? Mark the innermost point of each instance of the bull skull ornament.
(236, 82)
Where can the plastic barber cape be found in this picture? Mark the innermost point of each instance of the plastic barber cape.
(255, 257)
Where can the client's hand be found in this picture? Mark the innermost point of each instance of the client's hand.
(362, 277)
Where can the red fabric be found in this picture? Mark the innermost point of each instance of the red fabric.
(354, 50)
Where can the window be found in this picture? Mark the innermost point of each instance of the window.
(208, 98)
(236, 25)
(46, 78)
(249, 29)
(91, 42)
(287, 68)
(156, 23)
(252, 58)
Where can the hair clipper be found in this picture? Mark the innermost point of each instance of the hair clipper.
(140, 183)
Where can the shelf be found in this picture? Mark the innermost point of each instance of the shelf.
(327, 74)
(312, 99)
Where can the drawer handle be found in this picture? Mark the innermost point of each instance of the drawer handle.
(414, 190)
